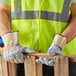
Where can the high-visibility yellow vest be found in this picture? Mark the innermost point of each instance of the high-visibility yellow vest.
(38, 21)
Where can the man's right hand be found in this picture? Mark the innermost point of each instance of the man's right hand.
(13, 52)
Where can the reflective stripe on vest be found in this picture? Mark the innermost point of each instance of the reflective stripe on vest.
(61, 17)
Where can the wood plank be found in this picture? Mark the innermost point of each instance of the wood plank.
(57, 66)
(47, 56)
(39, 69)
(12, 69)
(4, 68)
(64, 63)
(30, 66)
(61, 66)
(40, 55)
(71, 57)
(0, 66)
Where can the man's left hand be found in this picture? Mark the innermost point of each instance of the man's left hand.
(56, 48)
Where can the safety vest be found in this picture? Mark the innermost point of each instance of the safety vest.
(38, 21)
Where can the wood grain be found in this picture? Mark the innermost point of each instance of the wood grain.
(4, 65)
(57, 66)
(11, 69)
(72, 58)
(61, 66)
(39, 69)
(31, 67)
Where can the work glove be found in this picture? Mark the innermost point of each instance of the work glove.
(13, 52)
(56, 48)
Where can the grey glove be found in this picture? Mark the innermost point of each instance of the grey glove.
(45, 61)
(12, 50)
(55, 49)
(17, 53)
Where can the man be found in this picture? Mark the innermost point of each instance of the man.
(38, 21)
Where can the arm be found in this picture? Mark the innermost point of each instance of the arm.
(70, 31)
(12, 50)
(4, 19)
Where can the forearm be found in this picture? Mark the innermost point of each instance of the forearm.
(70, 31)
(4, 19)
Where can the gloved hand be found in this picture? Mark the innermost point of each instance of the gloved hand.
(12, 50)
(56, 48)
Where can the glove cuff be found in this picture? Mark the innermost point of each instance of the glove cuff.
(11, 38)
(60, 41)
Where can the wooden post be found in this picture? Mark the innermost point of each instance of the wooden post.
(4, 67)
(11, 69)
(7, 69)
(1, 66)
(39, 69)
(31, 67)
(61, 66)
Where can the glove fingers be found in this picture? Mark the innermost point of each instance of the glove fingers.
(24, 49)
(6, 56)
(20, 57)
(43, 61)
(51, 63)
(40, 60)
(46, 61)
(10, 58)
(54, 53)
(16, 56)
(13, 60)
(16, 60)
(54, 50)
(21, 49)
(51, 53)
(27, 50)
(18, 46)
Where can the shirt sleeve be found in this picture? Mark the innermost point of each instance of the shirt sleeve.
(73, 1)
(6, 2)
